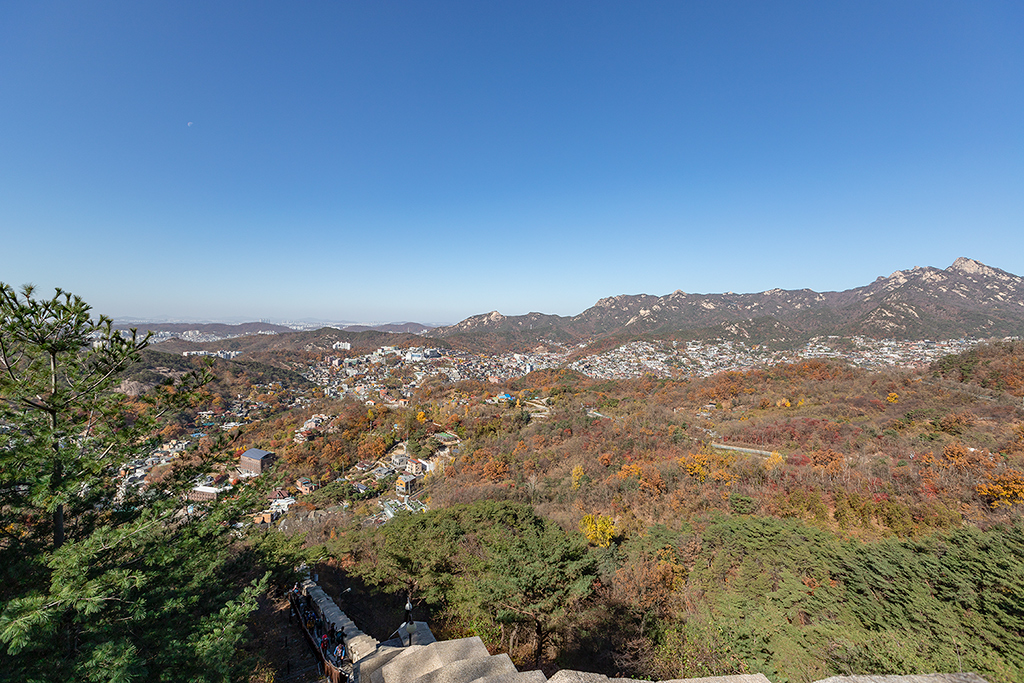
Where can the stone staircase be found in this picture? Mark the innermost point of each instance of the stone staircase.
(360, 645)
(467, 660)
(449, 661)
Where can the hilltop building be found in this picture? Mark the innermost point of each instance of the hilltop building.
(255, 461)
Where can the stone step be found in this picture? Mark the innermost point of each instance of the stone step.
(466, 670)
(389, 655)
(362, 640)
(363, 669)
(570, 676)
(361, 647)
(424, 659)
(534, 676)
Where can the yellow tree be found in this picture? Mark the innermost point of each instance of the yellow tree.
(577, 477)
(599, 529)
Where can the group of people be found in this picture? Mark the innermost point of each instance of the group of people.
(330, 641)
(332, 645)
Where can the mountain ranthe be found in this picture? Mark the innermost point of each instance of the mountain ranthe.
(968, 298)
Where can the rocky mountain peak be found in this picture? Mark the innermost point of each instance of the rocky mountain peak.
(971, 267)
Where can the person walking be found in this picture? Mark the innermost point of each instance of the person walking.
(342, 649)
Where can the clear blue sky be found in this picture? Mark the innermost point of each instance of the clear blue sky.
(432, 160)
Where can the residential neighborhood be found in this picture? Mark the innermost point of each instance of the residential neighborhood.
(389, 376)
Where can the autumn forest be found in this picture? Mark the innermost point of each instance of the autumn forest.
(803, 520)
(871, 525)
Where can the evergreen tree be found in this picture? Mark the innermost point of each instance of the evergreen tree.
(59, 425)
(100, 583)
(537, 573)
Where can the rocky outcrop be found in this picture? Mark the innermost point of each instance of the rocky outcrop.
(130, 387)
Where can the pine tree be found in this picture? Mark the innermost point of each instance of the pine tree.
(56, 367)
(100, 582)
(537, 573)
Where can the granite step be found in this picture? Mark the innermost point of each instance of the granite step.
(571, 676)
(390, 654)
(423, 659)
(361, 646)
(534, 676)
(363, 669)
(466, 670)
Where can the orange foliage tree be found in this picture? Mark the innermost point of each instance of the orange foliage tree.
(1003, 490)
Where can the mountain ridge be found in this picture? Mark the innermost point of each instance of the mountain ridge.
(968, 298)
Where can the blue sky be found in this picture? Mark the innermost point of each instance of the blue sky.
(432, 160)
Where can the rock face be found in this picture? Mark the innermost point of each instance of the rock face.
(132, 388)
(966, 299)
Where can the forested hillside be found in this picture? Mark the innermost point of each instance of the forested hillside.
(717, 595)
(998, 366)
(801, 520)
(878, 532)
(229, 377)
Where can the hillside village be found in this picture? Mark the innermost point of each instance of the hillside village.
(391, 374)
(390, 377)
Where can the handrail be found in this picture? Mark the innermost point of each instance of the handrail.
(332, 671)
